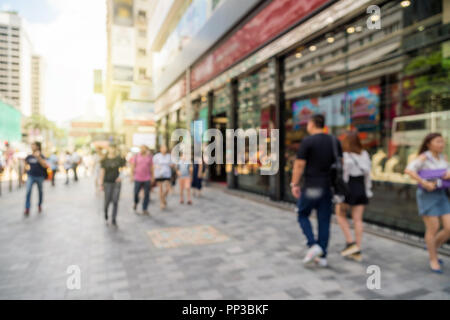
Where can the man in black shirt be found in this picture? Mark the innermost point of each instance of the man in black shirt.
(315, 158)
(110, 180)
(36, 171)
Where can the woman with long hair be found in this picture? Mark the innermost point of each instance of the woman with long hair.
(163, 165)
(197, 178)
(357, 167)
(184, 171)
(111, 176)
(432, 200)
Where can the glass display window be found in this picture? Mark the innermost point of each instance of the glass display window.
(390, 85)
(222, 101)
(172, 125)
(256, 110)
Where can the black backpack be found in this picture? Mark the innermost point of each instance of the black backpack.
(340, 187)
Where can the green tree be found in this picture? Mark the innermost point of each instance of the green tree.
(38, 122)
(431, 81)
(47, 128)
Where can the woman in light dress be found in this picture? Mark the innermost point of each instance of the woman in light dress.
(432, 201)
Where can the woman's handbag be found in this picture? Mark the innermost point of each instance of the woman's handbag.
(435, 175)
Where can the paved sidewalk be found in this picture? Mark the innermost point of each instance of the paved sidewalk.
(222, 247)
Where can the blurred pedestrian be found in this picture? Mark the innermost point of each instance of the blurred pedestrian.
(141, 175)
(76, 161)
(111, 176)
(2, 169)
(21, 168)
(184, 171)
(68, 165)
(315, 158)
(173, 179)
(431, 170)
(357, 166)
(197, 178)
(163, 172)
(37, 172)
(53, 161)
(98, 156)
(9, 164)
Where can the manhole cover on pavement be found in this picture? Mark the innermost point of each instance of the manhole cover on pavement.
(177, 237)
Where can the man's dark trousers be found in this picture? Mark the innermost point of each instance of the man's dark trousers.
(321, 200)
(138, 185)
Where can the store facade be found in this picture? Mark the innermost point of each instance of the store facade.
(388, 83)
(171, 113)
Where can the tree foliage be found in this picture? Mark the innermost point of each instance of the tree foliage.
(431, 81)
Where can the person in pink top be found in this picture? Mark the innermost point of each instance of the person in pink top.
(141, 174)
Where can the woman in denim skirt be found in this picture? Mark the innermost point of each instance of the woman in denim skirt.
(432, 200)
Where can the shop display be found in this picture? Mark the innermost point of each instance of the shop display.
(221, 101)
(255, 111)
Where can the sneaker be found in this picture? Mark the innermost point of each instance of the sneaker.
(347, 245)
(351, 249)
(313, 252)
(39, 209)
(114, 223)
(321, 262)
(145, 213)
(27, 212)
(135, 206)
(357, 256)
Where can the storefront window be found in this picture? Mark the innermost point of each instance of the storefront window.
(171, 126)
(256, 110)
(391, 85)
(221, 102)
(162, 132)
(200, 120)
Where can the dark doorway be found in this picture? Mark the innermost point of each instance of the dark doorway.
(217, 171)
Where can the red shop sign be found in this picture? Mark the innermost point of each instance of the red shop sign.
(278, 16)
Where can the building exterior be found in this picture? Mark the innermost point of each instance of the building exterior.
(129, 86)
(380, 70)
(15, 62)
(10, 124)
(37, 79)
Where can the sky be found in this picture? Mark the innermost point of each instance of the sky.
(71, 37)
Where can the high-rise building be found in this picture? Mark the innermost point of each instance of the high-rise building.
(129, 87)
(15, 62)
(37, 105)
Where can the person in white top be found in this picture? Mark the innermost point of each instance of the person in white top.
(357, 166)
(432, 200)
(67, 165)
(162, 164)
